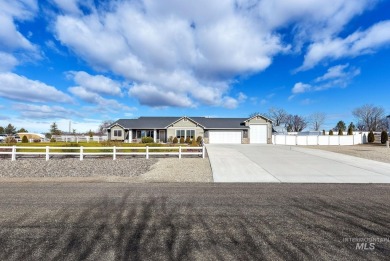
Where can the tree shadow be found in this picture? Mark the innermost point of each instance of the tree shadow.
(158, 228)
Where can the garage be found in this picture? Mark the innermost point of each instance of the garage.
(258, 134)
(225, 137)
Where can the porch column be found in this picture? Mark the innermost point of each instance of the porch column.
(154, 135)
(130, 136)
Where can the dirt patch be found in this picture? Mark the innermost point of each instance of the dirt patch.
(377, 152)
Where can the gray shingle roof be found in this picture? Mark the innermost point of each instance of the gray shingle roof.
(163, 122)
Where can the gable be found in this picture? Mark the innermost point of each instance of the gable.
(184, 122)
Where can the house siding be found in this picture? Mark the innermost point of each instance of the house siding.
(184, 125)
(112, 137)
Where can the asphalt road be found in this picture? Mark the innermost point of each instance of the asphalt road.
(118, 221)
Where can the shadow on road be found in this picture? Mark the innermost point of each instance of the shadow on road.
(157, 229)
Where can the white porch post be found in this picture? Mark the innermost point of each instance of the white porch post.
(130, 135)
(154, 135)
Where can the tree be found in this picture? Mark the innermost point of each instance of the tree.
(369, 116)
(350, 129)
(1, 130)
(352, 126)
(10, 129)
(384, 137)
(23, 130)
(278, 116)
(104, 125)
(341, 133)
(295, 123)
(90, 133)
(54, 129)
(316, 120)
(331, 132)
(340, 126)
(371, 137)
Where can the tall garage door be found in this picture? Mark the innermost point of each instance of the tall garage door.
(258, 134)
(232, 137)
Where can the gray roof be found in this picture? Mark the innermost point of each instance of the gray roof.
(163, 122)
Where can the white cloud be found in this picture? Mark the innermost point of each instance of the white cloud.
(10, 38)
(30, 111)
(300, 87)
(338, 76)
(68, 6)
(94, 98)
(210, 47)
(96, 83)
(16, 87)
(7, 62)
(153, 96)
(357, 43)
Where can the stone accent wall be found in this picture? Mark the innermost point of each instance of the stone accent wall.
(245, 141)
(206, 140)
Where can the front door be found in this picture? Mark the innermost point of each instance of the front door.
(161, 134)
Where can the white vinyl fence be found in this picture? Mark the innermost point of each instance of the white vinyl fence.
(317, 140)
(77, 139)
(81, 151)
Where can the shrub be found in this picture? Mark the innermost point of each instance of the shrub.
(384, 137)
(10, 140)
(147, 140)
(341, 132)
(331, 132)
(52, 140)
(170, 139)
(194, 143)
(323, 132)
(350, 130)
(199, 139)
(24, 139)
(371, 137)
(181, 140)
(188, 140)
(175, 140)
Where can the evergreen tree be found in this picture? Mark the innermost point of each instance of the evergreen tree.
(10, 129)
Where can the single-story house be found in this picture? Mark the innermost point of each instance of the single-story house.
(257, 129)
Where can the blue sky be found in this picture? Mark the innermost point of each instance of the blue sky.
(89, 61)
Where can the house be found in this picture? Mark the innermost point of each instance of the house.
(257, 129)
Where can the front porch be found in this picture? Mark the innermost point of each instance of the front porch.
(135, 136)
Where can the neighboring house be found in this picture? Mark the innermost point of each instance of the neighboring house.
(257, 129)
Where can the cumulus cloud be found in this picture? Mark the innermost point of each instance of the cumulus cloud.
(174, 47)
(16, 87)
(44, 111)
(300, 87)
(96, 83)
(94, 98)
(357, 43)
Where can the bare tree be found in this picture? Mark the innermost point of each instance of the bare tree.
(316, 120)
(278, 116)
(295, 123)
(369, 116)
(104, 125)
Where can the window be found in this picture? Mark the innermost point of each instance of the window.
(185, 134)
(190, 133)
(180, 133)
(117, 133)
(144, 133)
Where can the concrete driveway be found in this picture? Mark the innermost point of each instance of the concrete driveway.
(273, 163)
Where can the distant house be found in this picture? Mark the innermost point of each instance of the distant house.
(257, 129)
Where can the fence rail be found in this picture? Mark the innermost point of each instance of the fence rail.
(104, 151)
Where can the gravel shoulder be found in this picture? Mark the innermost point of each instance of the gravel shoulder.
(366, 151)
(106, 170)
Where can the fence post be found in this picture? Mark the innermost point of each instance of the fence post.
(13, 157)
(203, 151)
(387, 144)
(47, 153)
(147, 152)
(81, 153)
(179, 152)
(114, 153)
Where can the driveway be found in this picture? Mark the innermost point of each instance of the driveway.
(273, 163)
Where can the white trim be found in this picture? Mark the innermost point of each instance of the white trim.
(258, 115)
(197, 123)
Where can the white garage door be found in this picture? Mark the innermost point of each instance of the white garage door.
(258, 134)
(233, 137)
